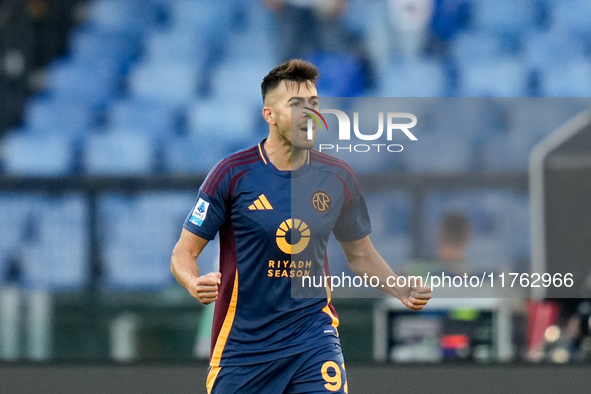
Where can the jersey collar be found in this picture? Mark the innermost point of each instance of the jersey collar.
(269, 166)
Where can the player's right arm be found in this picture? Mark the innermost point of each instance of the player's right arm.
(183, 265)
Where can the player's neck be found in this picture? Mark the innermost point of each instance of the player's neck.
(284, 156)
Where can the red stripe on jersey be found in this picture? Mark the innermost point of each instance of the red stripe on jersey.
(338, 162)
(341, 164)
(235, 179)
(228, 168)
(223, 164)
(222, 168)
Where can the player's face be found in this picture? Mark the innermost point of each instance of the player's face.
(289, 103)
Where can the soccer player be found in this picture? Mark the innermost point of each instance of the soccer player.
(274, 206)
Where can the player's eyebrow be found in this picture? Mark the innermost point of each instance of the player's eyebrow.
(303, 98)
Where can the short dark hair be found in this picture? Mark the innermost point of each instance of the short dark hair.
(295, 70)
(455, 229)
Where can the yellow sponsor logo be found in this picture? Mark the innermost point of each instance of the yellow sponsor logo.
(296, 228)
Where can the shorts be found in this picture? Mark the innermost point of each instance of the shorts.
(319, 370)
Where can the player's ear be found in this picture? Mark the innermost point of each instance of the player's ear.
(269, 115)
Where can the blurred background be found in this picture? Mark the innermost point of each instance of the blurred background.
(113, 111)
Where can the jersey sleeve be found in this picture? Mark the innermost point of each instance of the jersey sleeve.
(353, 222)
(209, 211)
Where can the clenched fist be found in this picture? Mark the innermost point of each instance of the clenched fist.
(416, 298)
(205, 287)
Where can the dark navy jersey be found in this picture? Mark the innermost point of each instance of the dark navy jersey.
(273, 230)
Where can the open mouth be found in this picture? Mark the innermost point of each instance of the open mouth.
(304, 128)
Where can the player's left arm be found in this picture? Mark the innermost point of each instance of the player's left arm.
(363, 259)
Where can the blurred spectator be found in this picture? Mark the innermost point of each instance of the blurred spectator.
(398, 29)
(453, 237)
(409, 21)
(310, 26)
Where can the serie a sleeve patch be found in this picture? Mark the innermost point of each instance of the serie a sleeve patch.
(199, 213)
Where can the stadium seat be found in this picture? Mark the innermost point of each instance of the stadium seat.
(505, 16)
(568, 79)
(212, 18)
(497, 77)
(115, 15)
(419, 78)
(551, 49)
(240, 81)
(114, 154)
(239, 48)
(148, 117)
(136, 253)
(88, 82)
(57, 257)
(185, 46)
(33, 154)
(51, 116)
(222, 120)
(478, 46)
(571, 16)
(193, 154)
(173, 83)
(93, 44)
(342, 74)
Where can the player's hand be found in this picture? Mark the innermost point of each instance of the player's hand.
(205, 287)
(416, 298)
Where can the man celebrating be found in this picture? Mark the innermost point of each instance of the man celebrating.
(275, 205)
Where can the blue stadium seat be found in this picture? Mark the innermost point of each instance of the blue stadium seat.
(571, 16)
(89, 82)
(240, 81)
(552, 49)
(50, 116)
(92, 43)
(172, 83)
(192, 154)
(136, 253)
(239, 48)
(33, 154)
(57, 257)
(185, 46)
(568, 79)
(505, 16)
(115, 15)
(357, 17)
(497, 77)
(478, 47)
(418, 78)
(213, 18)
(115, 154)
(150, 118)
(342, 74)
(222, 119)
